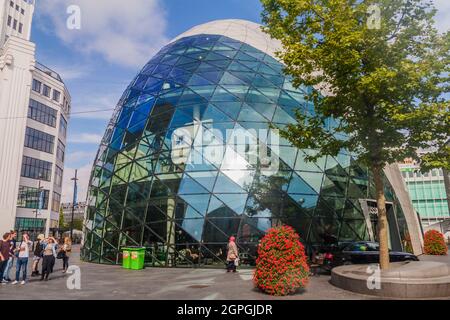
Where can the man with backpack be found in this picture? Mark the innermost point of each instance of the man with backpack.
(4, 253)
(37, 255)
(9, 265)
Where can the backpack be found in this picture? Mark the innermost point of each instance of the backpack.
(38, 250)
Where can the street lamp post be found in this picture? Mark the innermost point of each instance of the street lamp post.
(40, 190)
(75, 179)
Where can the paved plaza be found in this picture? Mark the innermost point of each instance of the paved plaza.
(113, 282)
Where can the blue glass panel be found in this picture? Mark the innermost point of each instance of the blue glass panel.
(194, 227)
(230, 79)
(223, 95)
(198, 81)
(225, 185)
(249, 114)
(297, 185)
(213, 76)
(205, 178)
(232, 109)
(235, 202)
(199, 202)
(161, 71)
(212, 114)
(190, 97)
(204, 91)
(245, 76)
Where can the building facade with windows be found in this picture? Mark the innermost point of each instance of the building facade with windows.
(427, 192)
(35, 109)
(192, 156)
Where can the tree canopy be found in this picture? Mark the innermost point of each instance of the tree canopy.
(386, 79)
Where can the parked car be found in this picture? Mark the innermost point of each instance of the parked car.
(362, 252)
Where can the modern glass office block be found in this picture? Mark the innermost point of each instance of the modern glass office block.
(180, 167)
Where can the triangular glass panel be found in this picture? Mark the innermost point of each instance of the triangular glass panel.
(244, 57)
(314, 179)
(228, 78)
(213, 76)
(204, 91)
(199, 201)
(249, 114)
(303, 165)
(239, 67)
(235, 202)
(205, 178)
(226, 185)
(194, 227)
(190, 97)
(215, 204)
(252, 65)
(198, 81)
(298, 185)
(266, 109)
(161, 71)
(245, 76)
(212, 114)
(256, 96)
(190, 186)
(222, 64)
(283, 117)
(334, 186)
(223, 95)
(232, 109)
(239, 91)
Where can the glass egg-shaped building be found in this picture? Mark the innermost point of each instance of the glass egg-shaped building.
(192, 156)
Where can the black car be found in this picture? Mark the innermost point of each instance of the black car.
(365, 252)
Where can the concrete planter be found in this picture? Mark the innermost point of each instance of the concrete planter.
(409, 280)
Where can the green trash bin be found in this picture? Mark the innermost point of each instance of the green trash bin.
(137, 257)
(126, 258)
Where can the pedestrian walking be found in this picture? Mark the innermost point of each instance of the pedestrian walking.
(37, 255)
(5, 248)
(66, 249)
(232, 255)
(22, 253)
(13, 242)
(48, 257)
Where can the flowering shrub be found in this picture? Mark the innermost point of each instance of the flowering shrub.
(281, 266)
(434, 243)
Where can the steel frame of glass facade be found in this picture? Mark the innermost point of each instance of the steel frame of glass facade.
(182, 211)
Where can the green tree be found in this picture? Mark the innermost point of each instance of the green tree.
(382, 82)
(78, 224)
(62, 223)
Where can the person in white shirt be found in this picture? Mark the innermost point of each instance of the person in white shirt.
(23, 254)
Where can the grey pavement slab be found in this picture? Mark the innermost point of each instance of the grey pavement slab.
(113, 282)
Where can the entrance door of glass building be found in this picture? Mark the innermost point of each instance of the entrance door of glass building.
(370, 211)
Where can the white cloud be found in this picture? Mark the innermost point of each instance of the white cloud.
(124, 32)
(91, 106)
(443, 15)
(81, 156)
(85, 138)
(71, 72)
(84, 174)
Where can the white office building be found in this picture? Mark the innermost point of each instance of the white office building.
(34, 112)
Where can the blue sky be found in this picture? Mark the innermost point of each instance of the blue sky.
(116, 39)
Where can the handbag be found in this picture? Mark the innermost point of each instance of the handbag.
(236, 262)
(17, 250)
(61, 254)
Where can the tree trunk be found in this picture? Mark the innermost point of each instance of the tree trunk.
(382, 217)
(447, 185)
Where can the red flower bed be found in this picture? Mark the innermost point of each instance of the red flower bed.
(281, 266)
(434, 243)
